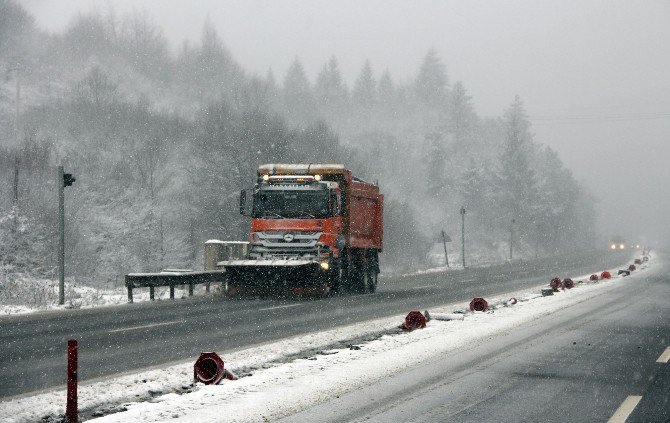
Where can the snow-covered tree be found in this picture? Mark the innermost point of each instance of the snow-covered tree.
(330, 90)
(299, 101)
(364, 95)
(517, 180)
(432, 83)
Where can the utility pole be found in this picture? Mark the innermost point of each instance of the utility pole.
(17, 128)
(463, 235)
(511, 239)
(537, 241)
(61, 237)
(16, 180)
(162, 241)
(444, 242)
(63, 180)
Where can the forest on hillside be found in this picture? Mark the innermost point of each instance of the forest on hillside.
(162, 138)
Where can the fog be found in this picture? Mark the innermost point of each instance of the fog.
(545, 121)
(592, 75)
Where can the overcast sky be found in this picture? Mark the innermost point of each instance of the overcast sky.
(594, 75)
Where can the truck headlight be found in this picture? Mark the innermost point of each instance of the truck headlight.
(324, 265)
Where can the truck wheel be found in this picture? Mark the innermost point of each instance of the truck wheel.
(337, 281)
(371, 285)
(358, 279)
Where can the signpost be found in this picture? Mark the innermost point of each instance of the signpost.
(511, 238)
(463, 234)
(445, 239)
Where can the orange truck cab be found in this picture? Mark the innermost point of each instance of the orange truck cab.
(314, 228)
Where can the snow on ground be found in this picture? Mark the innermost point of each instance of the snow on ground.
(284, 377)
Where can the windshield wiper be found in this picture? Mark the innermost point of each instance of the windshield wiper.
(307, 214)
(272, 213)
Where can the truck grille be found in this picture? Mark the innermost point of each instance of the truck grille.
(287, 244)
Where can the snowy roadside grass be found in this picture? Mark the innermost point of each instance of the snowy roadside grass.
(29, 295)
(296, 373)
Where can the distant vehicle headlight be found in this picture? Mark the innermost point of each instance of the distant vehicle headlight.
(637, 246)
(613, 246)
(621, 246)
(325, 265)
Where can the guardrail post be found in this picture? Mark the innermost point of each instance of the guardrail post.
(151, 293)
(190, 289)
(71, 412)
(207, 287)
(130, 293)
(172, 291)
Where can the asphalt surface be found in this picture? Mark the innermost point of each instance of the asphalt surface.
(126, 338)
(578, 365)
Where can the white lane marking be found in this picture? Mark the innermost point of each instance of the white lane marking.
(468, 280)
(624, 410)
(277, 307)
(423, 286)
(665, 356)
(145, 326)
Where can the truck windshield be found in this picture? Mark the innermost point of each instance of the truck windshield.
(291, 204)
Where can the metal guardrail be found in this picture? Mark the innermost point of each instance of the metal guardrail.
(215, 251)
(172, 279)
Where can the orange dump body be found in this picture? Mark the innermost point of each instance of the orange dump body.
(360, 220)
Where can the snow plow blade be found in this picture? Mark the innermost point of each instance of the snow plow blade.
(275, 276)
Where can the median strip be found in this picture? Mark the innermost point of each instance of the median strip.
(624, 410)
(665, 356)
(144, 326)
(278, 307)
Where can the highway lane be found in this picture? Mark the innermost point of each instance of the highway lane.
(135, 336)
(579, 365)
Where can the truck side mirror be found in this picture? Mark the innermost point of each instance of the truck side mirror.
(246, 203)
(334, 206)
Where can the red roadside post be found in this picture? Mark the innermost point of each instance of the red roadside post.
(71, 407)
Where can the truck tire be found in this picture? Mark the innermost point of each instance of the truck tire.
(372, 270)
(370, 280)
(357, 276)
(369, 272)
(338, 279)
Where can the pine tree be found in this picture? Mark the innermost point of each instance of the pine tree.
(365, 91)
(330, 90)
(432, 83)
(298, 98)
(438, 183)
(215, 70)
(518, 194)
(385, 89)
(463, 118)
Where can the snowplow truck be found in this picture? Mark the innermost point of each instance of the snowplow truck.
(315, 228)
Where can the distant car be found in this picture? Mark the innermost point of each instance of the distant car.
(619, 243)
